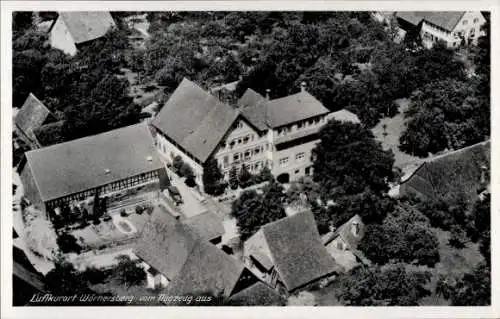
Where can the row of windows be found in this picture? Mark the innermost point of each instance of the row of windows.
(299, 157)
(139, 179)
(244, 156)
(465, 22)
(239, 141)
(300, 125)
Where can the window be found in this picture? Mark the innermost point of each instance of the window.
(308, 170)
(476, 20)
(472, 33)
(299, 125)
(226, 159)
(236, 157)
(465, 22)
(283, 161)
(316, 120)
(239, 140)
(231, 145)
(300, 156)
(247, 154)
(245, 139)
(256, 151)
(297, 171)
(310, 122)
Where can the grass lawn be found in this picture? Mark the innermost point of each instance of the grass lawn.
(390, 140)
(454, 262)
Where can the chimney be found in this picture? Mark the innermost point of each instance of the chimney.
(303, 87)
(355, 228)
(267, 93)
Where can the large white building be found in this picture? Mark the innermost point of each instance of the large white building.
(452, 27)
(258, 132)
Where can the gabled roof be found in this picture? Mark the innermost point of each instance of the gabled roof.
(258, 294)
(195, 119)
(190, 263)
(32, 115)
(208, 225)
(207, 270)
(87, 25)
(345, 232)
(278, 112)
(297, 251)
(456, 171)
(165, 244)
(444, 19)
(93, 161)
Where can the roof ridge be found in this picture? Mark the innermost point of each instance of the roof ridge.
(456, 151)
(87, 137)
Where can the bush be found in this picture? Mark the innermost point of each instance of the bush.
(190, 182)
(458, 237)
(68, 243)
(96, 221)
(94, 275)
(139, 209)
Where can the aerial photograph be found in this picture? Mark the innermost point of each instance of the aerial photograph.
(250, 158)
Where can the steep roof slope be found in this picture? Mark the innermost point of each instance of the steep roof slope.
(265, 113)
(208, 225)
(32, 115)
(82, 164)
(207, 270)
(190, 263)
(87, 25)
(258, 294)
(195, 119)
(345, 232)
(444, 19)
(298, 253)
(454, 172)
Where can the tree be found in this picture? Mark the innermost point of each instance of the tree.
(233, 178)
(348, 160)
(389, 286)
(67, 243)
(473, 289)
(403, 236)
(458, 237)
(371, 207)
(244, 177)
(266, 175)
(252, 210)
(177, 164)
(64, 280)
(129, 272)
(445, 114)
(212, 178)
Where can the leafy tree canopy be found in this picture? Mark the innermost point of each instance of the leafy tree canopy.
(392, 285)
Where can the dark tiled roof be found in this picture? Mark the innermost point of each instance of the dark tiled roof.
(207, 270)
(444, 19)
(456, 171)
(258, 294)
(81, 164)
(195, 119)
(87, 25)
(297, 251)
(165, 243)
(278, 112)
(208, 225)
(345, 232)
(191, 263)
(31, 116)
